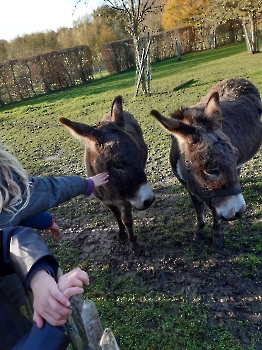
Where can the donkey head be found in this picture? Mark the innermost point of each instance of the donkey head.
(109, 148)
(206, 160)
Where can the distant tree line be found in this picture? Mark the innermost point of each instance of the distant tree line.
(91, 30)
(107, 24)
(210, 14)
(114, 37)
(41, 74)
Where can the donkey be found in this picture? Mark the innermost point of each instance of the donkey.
(116, 146)
(210, 141)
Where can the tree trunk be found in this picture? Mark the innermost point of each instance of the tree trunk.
(251, 34)
(212, 38)
(247, 38)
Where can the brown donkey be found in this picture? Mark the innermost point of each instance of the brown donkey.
(210, 142)
(117, 146)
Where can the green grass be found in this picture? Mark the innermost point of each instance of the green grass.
(142, 316)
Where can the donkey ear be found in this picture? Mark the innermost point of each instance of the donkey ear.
(173, 126)
(212, 109)
(82, 131)
(117, 112)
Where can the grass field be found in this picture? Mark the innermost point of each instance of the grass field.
(178, 295)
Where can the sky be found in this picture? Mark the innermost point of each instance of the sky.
(19, 17)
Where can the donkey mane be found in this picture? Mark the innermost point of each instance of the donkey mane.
(199, 116)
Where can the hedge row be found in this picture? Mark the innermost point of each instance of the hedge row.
(119, 55)
(37, 75)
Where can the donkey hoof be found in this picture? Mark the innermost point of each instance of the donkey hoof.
(197, 236)
(218, 241)
(122, 235)
(136, 249)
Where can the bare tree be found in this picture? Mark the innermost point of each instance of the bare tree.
(135, 13)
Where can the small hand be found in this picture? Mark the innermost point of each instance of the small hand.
(100, 179)
(72, 282)
(54, 231)
(49, 302)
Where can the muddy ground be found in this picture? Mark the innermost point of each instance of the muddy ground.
(169, 262)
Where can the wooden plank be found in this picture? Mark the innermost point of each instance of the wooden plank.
(108, 341)
(84, 324)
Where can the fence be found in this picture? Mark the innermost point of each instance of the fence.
(120, 56)
(37, 75)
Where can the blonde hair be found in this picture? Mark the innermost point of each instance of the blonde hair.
(10, 192)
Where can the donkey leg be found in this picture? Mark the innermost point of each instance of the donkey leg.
(217, 232)
(122, 235)
(199, 209)
(127, 218)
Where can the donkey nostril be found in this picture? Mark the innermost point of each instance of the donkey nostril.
(148, 202)
(238, 215)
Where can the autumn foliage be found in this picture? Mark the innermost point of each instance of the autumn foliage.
(178, 12)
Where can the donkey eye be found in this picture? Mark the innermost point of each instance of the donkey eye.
(212, 172)
(118, 167)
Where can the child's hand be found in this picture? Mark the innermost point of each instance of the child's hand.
(49, 303)
(54, 231)
(100, 179)
(72, 282)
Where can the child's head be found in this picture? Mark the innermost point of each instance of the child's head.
(10, 192)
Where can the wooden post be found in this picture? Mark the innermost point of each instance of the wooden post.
(78, 324)
(85, 321)
(92, 324)
(74, 334)
(108, 341)
(178, 51)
